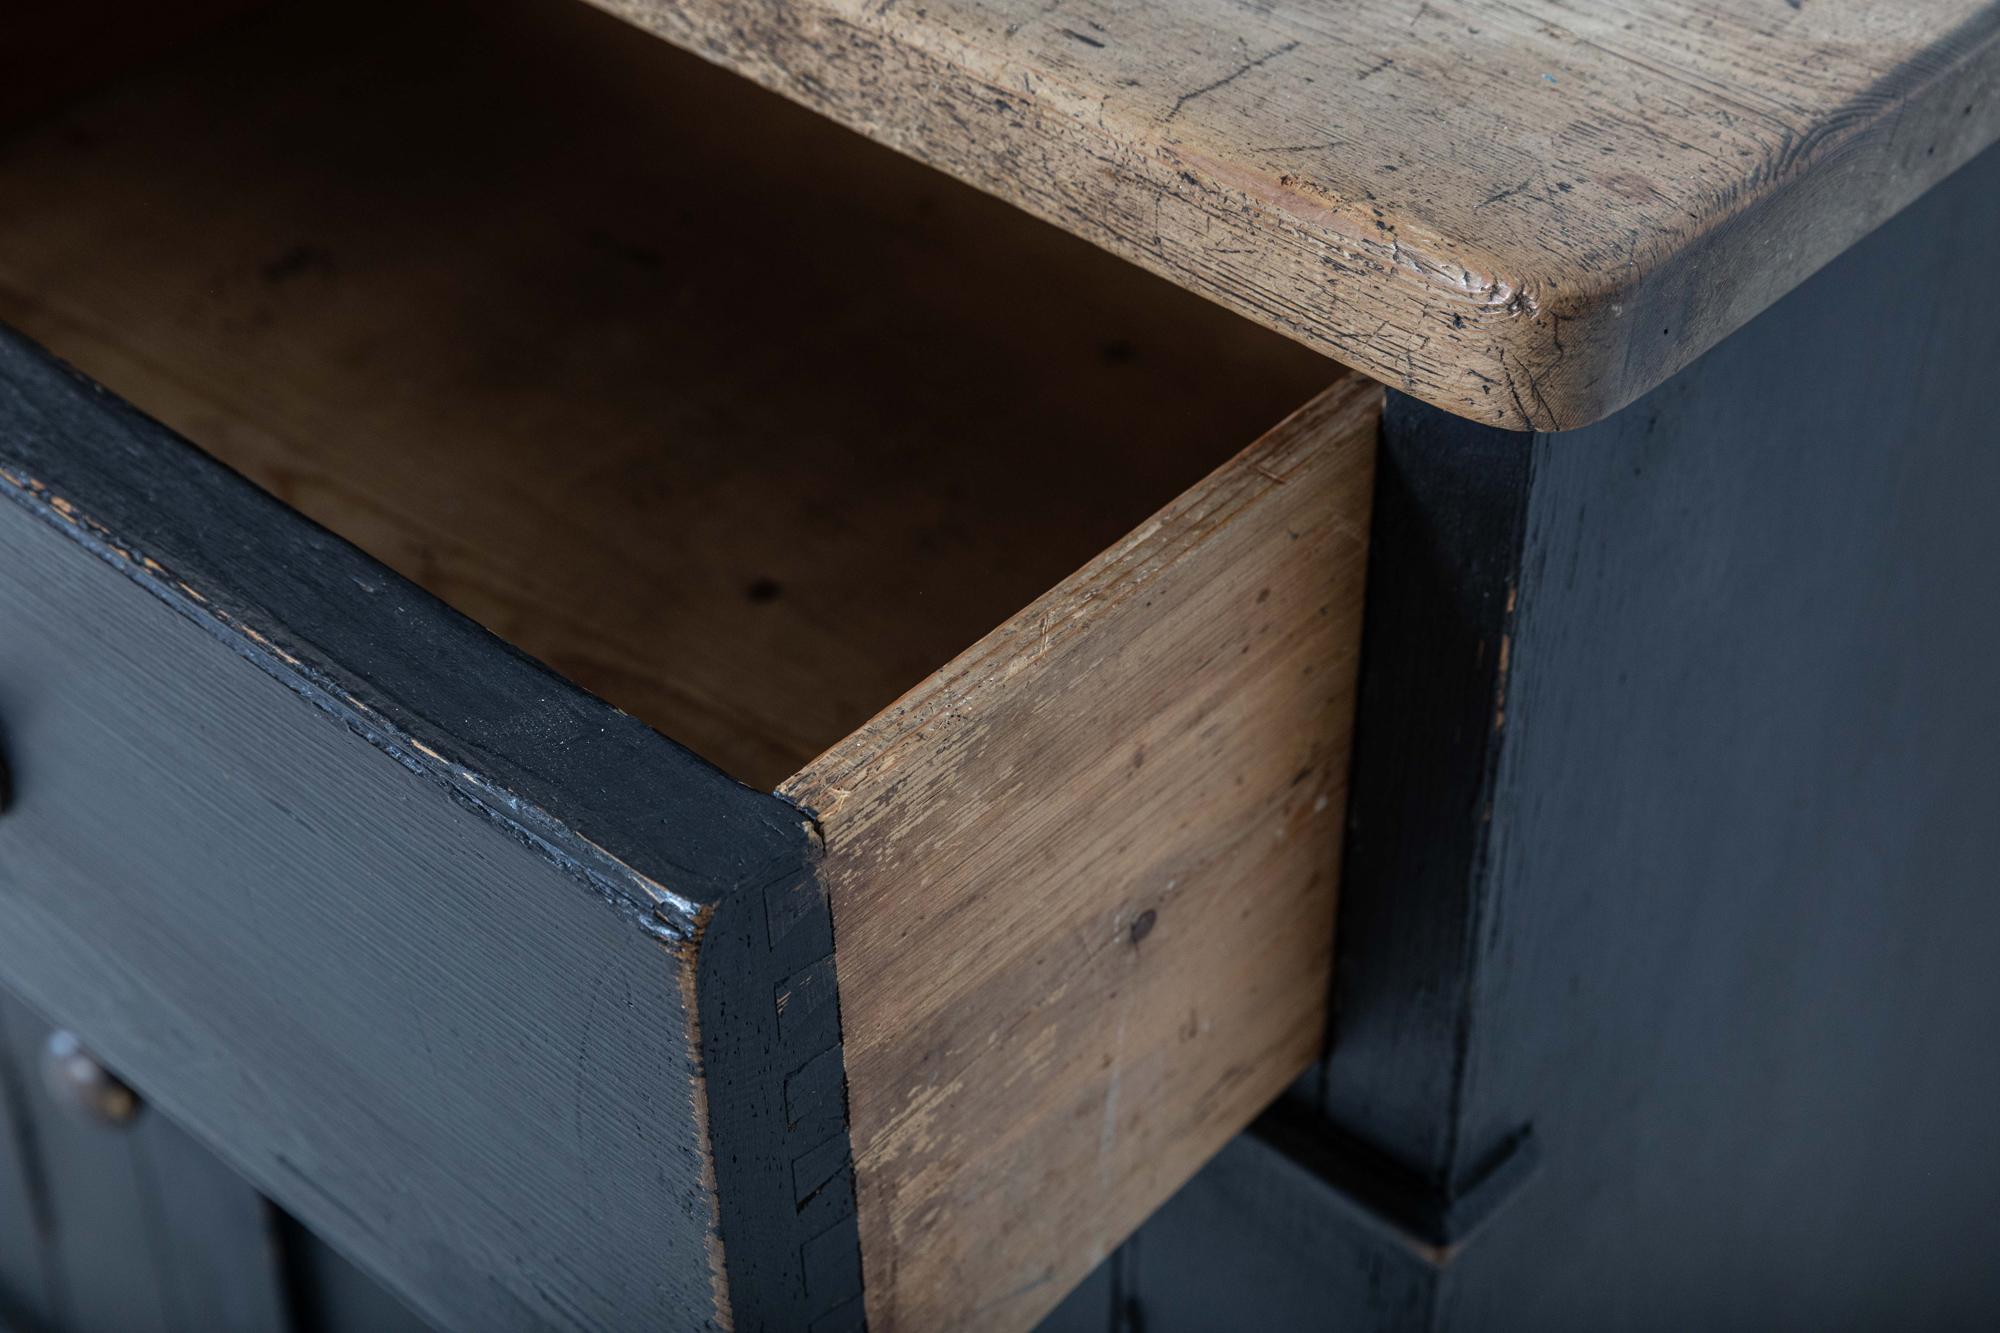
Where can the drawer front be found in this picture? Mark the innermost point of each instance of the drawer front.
(349, 926)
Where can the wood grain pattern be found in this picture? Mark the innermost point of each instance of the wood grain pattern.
(334, 1296)
(1083, 883)
(1527, 213)
(745, 432)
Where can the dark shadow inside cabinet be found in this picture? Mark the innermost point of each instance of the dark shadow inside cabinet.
(734, 418)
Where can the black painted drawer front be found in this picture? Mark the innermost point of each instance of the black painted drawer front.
(236, 872)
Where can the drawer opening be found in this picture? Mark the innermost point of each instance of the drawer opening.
(734, 418)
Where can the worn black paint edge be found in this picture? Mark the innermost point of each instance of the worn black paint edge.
(769, 1008)
(705, 864)
(614, 882)
(1432, 1222)
(644, 822)
(1447, 536)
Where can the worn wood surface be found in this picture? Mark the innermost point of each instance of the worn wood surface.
(744, 431)
(1525, 213)
(408, 928)
(1083, 883)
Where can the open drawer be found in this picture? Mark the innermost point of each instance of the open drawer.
(756, 432)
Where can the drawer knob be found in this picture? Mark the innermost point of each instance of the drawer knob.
(82, 1086)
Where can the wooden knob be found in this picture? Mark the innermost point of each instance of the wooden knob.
(79, 1084)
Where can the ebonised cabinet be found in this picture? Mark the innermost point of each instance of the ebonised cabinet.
(413, 416)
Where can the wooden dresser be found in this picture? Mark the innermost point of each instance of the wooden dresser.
(642, 704)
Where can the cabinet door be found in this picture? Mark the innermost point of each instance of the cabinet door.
(128, 1228)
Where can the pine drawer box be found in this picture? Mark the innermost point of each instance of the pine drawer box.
(753, 430)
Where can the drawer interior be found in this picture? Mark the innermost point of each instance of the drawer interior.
(732, 417)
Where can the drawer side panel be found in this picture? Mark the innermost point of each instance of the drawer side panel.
(1083, 883)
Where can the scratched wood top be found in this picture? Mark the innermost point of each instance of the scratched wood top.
(1527, 213)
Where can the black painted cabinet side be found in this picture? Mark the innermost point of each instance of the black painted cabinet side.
(1747, 826)
(1443, 576)
(1727, 941)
